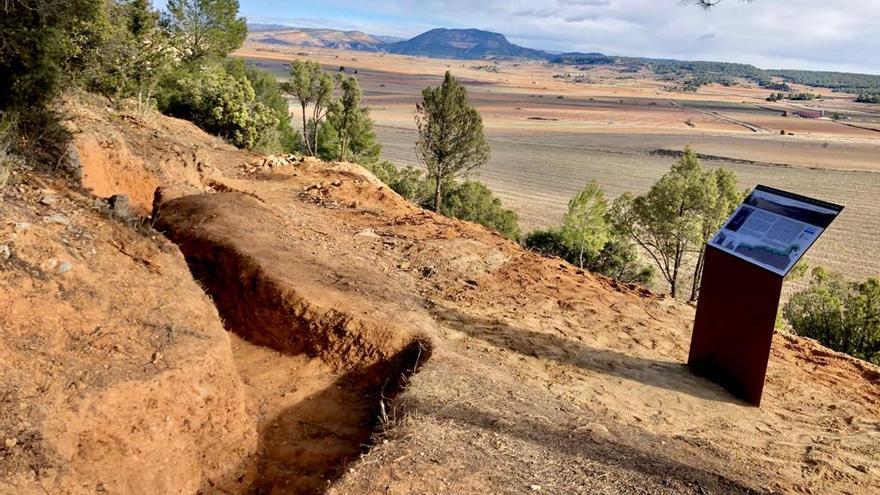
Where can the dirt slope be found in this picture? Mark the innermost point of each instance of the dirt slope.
(115, 372)
(545, 376)
(531, 376)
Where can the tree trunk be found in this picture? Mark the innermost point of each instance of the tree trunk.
(673, 289)
(306, 132)
(437, 195)
(698, 276)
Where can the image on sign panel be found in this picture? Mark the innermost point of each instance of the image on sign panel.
(773, 229)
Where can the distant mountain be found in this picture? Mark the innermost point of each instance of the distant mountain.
(389, 39)
(319, 38)
(467, 44)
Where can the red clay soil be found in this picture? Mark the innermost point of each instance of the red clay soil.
(116, 374)
(532, 376)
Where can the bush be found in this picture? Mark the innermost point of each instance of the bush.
(841, 315)
(473, 201)
(407, 182)
(618, 258)
(219, 101)
(283, 138)
(41, 48)
(468, 200)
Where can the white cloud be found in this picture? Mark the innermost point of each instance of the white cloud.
(814, 34)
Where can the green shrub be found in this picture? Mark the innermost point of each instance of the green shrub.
(42, 43)
(219, 101)
(473, 201)
(617, 258)
(283, 138)
(841, 315)
(468, 200)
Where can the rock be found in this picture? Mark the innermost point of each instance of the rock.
(64, 267)
(21, 227)
(535, 488)
(48, 200)
(119, 205)
(368, 232)
(5, 252)
(59, 219)
(11, 442)
(598, 432)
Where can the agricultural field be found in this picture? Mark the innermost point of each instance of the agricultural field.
(552, 128)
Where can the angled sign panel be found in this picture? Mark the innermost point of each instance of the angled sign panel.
(773, 229)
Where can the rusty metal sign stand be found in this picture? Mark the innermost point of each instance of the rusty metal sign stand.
(745, 264)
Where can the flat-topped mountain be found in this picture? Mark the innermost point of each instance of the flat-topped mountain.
(464, 44)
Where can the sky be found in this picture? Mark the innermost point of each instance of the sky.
(839, 35)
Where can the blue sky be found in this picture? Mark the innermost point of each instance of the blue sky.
(808, 34)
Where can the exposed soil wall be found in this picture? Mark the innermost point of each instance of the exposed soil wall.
(307, 439)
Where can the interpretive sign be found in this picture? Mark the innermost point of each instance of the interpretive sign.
(745, 263)
(774, 228)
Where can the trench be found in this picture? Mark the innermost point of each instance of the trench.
(320, 390)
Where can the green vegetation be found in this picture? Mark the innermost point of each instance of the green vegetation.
(869, 98)
(124, 50)
(466, 200)
(451, 141)
(584, 225)
(588, 239)
(220, 101)
(839, 81)
(283, 138)
(204, 28)
(347, 133)
(43, 46)
(703, 72)
(792, 96)
(842, 315)
(673, 221)
(310, 86)
(130, 54)
(473, 201)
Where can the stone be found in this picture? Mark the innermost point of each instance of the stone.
(64, 267)
(59, 219)
(368, 232)
(48, 200)
(5, 252)
(119, 205)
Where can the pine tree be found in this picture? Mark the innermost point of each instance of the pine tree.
(584, 226)
(451, 141)
(202, 28)
(347, 133)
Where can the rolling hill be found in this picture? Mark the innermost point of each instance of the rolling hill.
(319, 38)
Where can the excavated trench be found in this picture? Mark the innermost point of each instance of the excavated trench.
(319, 379)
